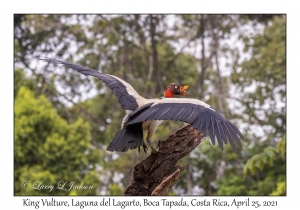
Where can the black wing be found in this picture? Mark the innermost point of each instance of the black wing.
(203, 118)
(127, 96)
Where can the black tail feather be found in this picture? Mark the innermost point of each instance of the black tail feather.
(129, 137)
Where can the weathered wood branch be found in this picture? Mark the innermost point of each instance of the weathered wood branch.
(158, 173)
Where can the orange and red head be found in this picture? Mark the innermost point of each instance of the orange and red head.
(175, 89)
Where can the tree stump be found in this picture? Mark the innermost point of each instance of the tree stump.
(158, 173)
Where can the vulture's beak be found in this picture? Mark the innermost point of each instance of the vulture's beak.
(183, 90)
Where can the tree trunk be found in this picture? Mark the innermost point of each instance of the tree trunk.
(203, 58)
(220, 86)
(154, 22)
(158, 173)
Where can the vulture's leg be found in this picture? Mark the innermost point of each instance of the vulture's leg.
(148, 139)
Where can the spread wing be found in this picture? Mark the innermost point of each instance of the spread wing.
(200, 115)
(127, 96)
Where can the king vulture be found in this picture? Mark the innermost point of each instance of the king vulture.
(148, 114)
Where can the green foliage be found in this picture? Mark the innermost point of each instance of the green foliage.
(281, 146)
(267, 157)
(280, 190)
(115, 189)
(49, 150)
(226, 186)
(21, 80)
(258, 161)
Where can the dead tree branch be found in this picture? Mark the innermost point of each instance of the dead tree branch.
(158, 173)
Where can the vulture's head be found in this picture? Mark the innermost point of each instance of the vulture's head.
(175, 89)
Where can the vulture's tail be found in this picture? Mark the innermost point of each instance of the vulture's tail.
(129, 137)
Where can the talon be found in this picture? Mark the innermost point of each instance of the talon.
(145, 148)
(158, 144)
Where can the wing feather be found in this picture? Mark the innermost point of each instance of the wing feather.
(211, 131)
(221, 131)
(235, 130)
(189, 112)
(217, 132)
(179, 115)
(171, 113)
(177, 109)
(233, 133)
(200, 116)
(193, 116)
(202, 123)
(146, 115)
(161, 114)
(127, 96)
(207, 125)
(230, 137)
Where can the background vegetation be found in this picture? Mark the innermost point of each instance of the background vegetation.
(64, 121)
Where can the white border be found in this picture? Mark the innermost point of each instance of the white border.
(8, 201)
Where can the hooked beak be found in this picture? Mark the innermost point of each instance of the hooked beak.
(183, 90)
